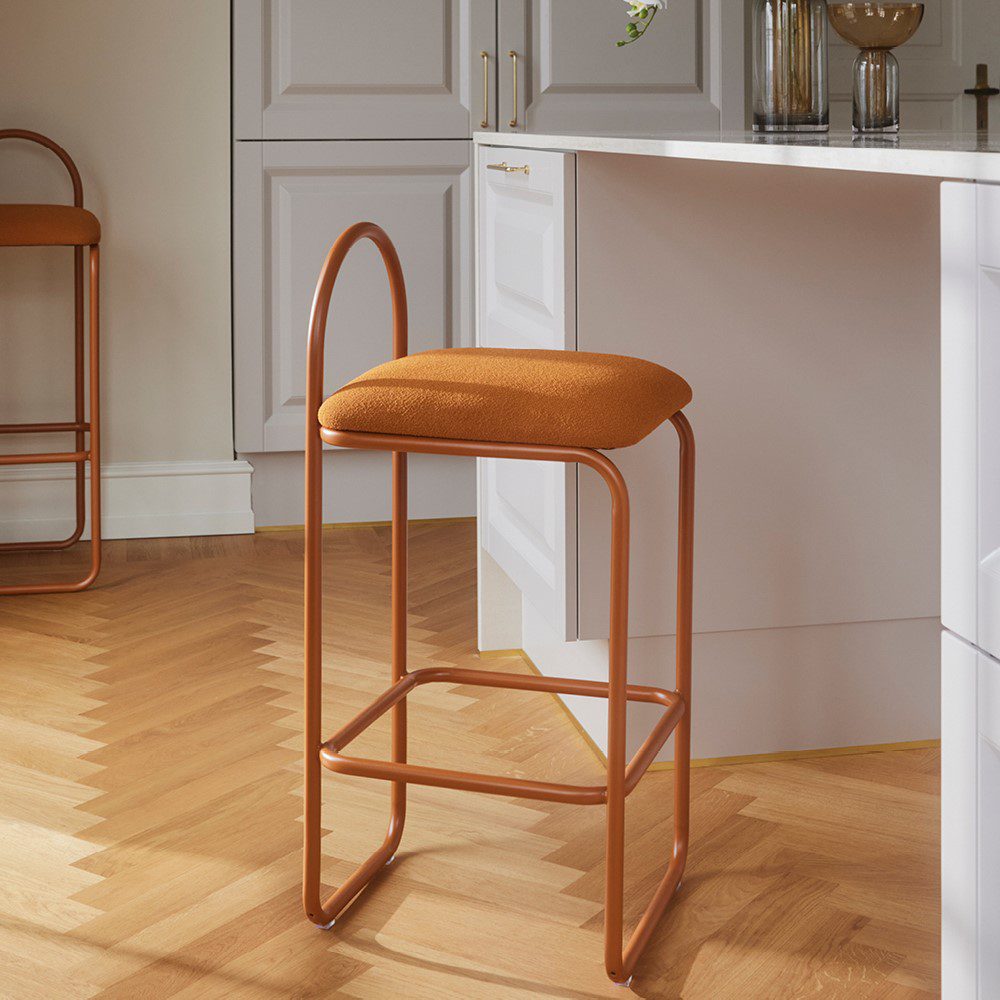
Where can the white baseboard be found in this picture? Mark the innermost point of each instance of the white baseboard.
(139, 500)
(768, 691)
(356, 487)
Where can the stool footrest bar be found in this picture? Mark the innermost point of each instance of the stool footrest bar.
(55, 458)
(332, 757)
(62, 428)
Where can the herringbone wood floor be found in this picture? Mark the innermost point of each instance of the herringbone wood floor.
(150, 800)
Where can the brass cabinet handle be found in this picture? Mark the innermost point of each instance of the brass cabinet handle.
(526, 169)
(486, 89)
(513, 58)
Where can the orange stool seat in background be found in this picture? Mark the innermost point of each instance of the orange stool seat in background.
(64, 226)
(547, 406)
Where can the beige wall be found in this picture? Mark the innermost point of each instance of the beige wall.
(138, 93)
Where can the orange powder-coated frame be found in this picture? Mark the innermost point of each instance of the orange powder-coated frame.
(623, 776)
(80, 426)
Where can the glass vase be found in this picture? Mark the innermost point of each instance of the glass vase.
(790, 86)
(876, 91)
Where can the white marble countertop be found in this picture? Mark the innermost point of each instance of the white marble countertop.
(954, 155)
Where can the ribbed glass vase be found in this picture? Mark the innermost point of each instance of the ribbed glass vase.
(790, 86)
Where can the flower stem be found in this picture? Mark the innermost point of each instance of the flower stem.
(643, 28)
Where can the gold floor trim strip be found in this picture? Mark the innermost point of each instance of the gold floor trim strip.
(754, 758)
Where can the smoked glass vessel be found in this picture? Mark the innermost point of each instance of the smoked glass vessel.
(790, 86)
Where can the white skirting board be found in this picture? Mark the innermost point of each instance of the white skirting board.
(356, 487)
(139, 500)
(767, 691)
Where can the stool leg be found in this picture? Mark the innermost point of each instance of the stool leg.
(320, 912)
(685, 629)
(79, 411)
(95, 419)
(400, 530)
(614, 886)
(620, 962)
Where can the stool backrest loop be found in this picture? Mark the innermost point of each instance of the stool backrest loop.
(74, 174)
(321, 306)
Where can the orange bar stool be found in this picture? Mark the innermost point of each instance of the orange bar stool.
(547, 406)
(64, 226)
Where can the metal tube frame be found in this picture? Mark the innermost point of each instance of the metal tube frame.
(623, 776)
(82, 425)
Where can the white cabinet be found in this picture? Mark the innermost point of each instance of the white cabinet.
(687, 73)
(292, 200)
(971, 413)
(527, 299)
(970, 775)
(970, 822)
(339, 69)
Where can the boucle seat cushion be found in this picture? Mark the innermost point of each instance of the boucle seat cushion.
(48, 226)
(566, 398)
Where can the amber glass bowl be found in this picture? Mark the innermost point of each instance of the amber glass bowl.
(876, 25)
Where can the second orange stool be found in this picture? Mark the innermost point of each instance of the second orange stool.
(68, 226)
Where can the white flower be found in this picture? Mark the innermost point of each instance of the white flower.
(636, 7)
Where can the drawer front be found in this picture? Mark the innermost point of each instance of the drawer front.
(989, 225)
(527, 299)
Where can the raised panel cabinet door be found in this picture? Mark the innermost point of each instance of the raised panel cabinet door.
(686, 73)
(989, 827)
(970, 412)
(527, 299)
(292, 200)
(959, 819)
(988, 442)
(970, 822)
(339, 69)
(959, 409)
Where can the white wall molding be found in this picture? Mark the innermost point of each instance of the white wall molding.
(140, 500)
(809, 687)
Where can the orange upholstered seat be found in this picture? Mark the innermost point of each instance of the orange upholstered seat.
(565, 398)
(48, 226)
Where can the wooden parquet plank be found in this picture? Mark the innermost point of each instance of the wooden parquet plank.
(150, 804)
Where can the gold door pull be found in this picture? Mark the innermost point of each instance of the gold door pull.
(513, 58)
(526, 169)
(485, 123)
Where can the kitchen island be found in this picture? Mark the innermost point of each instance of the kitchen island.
(835, 304)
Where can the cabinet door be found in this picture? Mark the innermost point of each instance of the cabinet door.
(527, 299)
(988, 441)
(970, 365)
(292, 200)
(339, 69)
(687, 73)
(970, 822)
(959, 818)
(988, 792)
